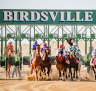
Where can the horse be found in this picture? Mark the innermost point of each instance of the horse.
(46, 62)
(73, 65)
(61, 65)
(37, 62)
(93, 67)
(10, 53)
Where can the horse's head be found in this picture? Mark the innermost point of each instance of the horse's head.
(71, 54)
(38, 49)
(60, 54)
(46, 53)
(94, 61)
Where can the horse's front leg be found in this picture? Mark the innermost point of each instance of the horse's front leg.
(48, 72)
(36, 75)
(75, 73)
(95, 75)
(95, 72)
(79, 69)
(31, 69)
(60, 74)
(64, 74)
(72, 74)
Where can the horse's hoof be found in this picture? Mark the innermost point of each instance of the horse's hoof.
(48, 79)
(60, 78)
(31, 78)
(78, 80)
(40, 79)
(44, 78)
(63, 79)
(72, 79)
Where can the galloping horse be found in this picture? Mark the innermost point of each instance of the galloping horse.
(94, 66)
(46, 62)
(61, 65)
(10, 53)
(73, 64)
(37, 62)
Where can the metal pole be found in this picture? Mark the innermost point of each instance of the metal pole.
(34, 32)
(30, 42)
(44, 33)
(85, 41)
(5, 49)
(76, 34)
(62, 37)
(90, 40)
(58, 38)
(19, 31)
(1, 42)
(20, 41)
(16, 40)
(48, 37)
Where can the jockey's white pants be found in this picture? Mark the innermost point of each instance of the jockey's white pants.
(33, 54)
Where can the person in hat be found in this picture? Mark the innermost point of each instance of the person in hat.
(43, 49)
(16, 67)
(75, 48)
(34, 49)
(76, 51)
(61, 49)
(10, 46)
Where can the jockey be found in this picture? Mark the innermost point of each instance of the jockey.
(61, 49)
(10, 46)
(93, 57)
(75, 49)
(34, 49)
(43, 49)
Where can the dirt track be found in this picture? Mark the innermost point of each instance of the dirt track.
(15, 85)
(53, 85)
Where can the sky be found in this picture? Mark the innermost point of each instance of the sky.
(47, 4)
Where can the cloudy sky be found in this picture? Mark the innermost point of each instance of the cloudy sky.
(47, 4)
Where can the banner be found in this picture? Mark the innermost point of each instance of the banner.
(51, 17)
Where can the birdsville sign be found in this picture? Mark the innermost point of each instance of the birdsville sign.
(21, 16)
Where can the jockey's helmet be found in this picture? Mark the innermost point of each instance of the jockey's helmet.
(74, 44)
(35, 42)
(10, 43)
(45, 44)
(41, 49)
(61, 46)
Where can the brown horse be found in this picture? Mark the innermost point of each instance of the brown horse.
(61, 65)
(37, 62)
(10, 53)
(73, 66)
(94, 67)
(46, 62)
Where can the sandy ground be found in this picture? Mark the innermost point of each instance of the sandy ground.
(15, 85)
(54, 84)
